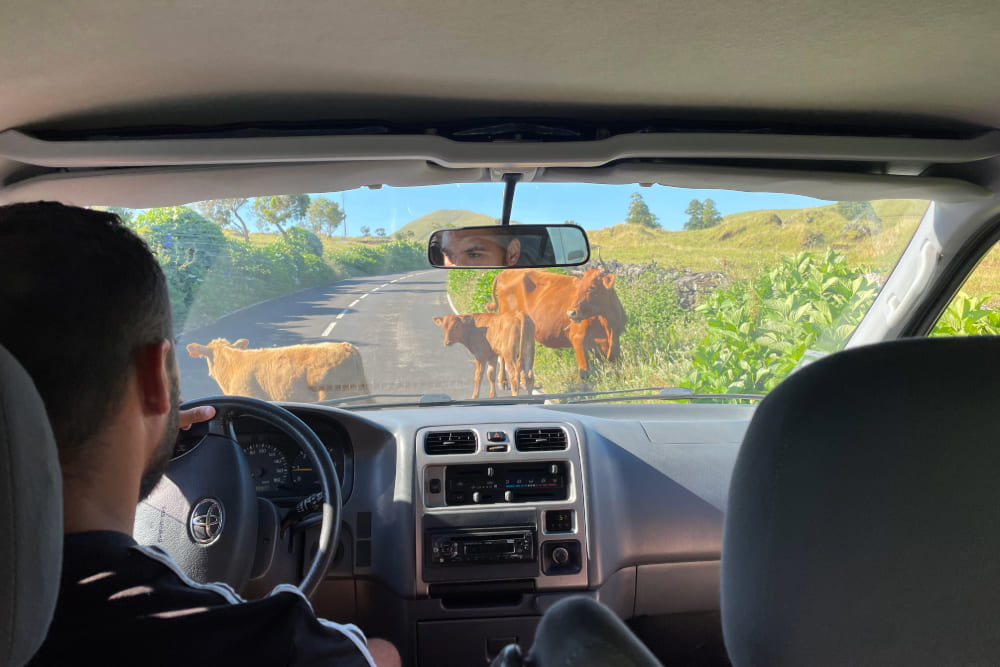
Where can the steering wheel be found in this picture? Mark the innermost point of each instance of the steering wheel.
(205, 511)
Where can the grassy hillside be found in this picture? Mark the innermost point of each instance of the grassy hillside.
(440, 219)
(744, 244)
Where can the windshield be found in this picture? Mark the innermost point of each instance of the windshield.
(320, 297)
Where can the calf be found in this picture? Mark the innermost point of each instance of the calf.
(488, 336)
(303, 373)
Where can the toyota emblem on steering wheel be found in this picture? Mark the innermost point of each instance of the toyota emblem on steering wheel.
(207, 520)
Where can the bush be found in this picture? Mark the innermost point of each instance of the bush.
(209, 275)
(383, 257)
(759, 330)
(186, 245)
(304, 241)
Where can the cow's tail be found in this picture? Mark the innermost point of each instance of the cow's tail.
(494, 306)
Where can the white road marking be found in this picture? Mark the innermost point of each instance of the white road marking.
(326, 332)
(354, 303)
(384, 285)
(363, 296)
(342, 313)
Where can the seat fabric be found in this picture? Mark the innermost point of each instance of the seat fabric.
(863, 522)
(30, 516)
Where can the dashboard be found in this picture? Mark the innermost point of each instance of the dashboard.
(455, 538)
(280, 470)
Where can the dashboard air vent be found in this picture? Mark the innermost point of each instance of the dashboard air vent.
(450, 442)
(539, 439)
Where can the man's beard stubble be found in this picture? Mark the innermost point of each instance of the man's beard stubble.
(157, 465)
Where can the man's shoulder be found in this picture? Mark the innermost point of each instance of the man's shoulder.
(119, 598)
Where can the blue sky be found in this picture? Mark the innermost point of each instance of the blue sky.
(592, 206)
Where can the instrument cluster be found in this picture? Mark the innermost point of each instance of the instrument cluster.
(280, 469)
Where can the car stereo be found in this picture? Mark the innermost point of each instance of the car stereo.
(480, 546)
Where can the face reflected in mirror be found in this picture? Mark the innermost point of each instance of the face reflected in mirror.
(479, 247)
(498, 247)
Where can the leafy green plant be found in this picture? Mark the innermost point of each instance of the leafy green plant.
(759, 330)
(186, 244)
(967, 316)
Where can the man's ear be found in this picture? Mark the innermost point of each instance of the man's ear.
(153, 377)
(242, 344)
(513, 252)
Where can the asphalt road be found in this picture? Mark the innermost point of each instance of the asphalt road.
(389, 319)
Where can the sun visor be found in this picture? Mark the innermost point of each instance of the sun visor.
(827, 185)
(148, 187)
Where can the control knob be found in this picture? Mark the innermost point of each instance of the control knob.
(560, 555)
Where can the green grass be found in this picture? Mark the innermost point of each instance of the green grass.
(745, 244)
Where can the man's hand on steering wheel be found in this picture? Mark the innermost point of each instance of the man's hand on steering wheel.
(205, 511)
(188, 418)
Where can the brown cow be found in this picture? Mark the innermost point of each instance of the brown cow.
(583, 313)
(509, 336)
(303, 373)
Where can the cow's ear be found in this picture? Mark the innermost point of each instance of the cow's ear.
(439, 321)
(608, 280)
(242, 343)
(195, 350)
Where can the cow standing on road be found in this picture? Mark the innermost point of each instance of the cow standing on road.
(303, 373)
(489, 336)
(583, 313)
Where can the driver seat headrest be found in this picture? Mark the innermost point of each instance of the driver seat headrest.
(863, 522)
(30, 516)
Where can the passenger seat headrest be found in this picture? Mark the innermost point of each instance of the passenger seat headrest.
(31, 531)
(863, 521)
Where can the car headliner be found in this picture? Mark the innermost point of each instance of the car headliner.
(923, 68)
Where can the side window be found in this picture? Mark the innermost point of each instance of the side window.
(975, 308)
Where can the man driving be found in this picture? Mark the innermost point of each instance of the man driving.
(87, 313)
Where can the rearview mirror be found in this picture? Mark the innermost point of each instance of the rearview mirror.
(497, 247)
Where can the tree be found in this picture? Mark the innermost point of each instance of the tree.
(365, 231)
(380, 232)
(324, 216)
(226, 213)
(702, 215)
(124, 214)
(693, 212)
(279, 210)
(639, 214)
(710, 216)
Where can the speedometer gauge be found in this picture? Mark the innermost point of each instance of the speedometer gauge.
(304, 476)
(268, 466)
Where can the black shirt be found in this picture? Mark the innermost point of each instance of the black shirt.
(121, 603)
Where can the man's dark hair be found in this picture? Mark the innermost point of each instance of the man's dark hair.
(80, 295)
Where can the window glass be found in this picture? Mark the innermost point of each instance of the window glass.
(707, 291)
(975, 308)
